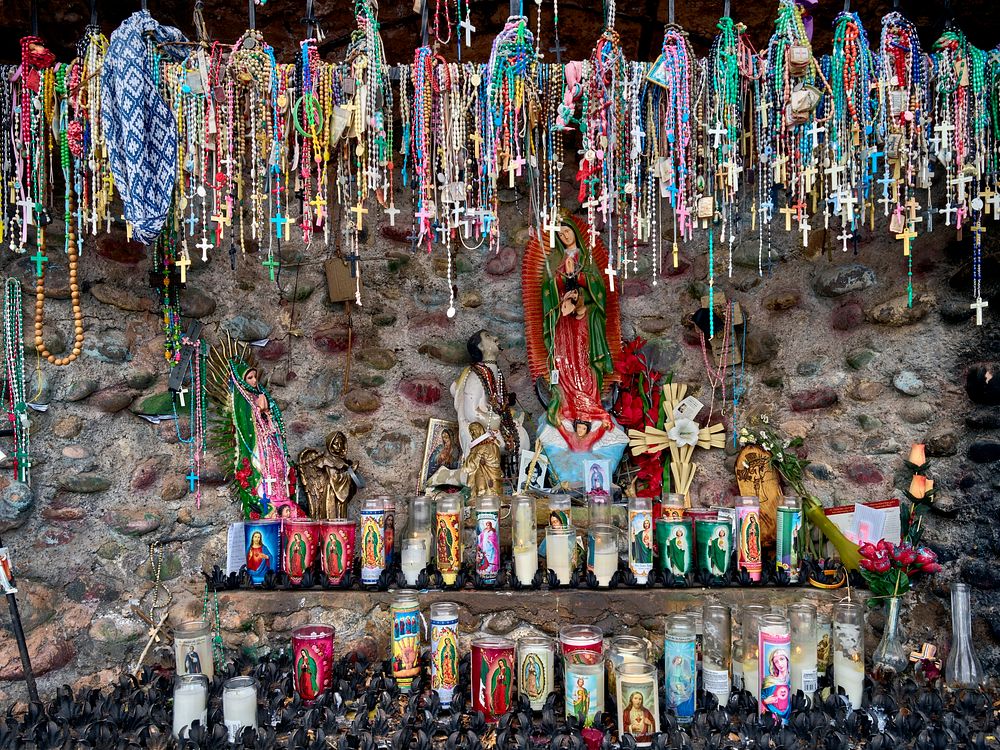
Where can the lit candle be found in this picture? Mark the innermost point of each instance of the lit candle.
(603, 553)
(750, 625)
(420, 522)
(802, 619)
(526, 563)
(524, 535)
(849, 651)
(414, 556)
(918, 456)
(558, 552)
(239, 705)
(190, 701)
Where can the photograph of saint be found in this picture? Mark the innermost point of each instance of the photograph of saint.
(538, 472)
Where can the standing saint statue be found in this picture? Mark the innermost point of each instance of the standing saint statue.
(249, 433)
(482, 470)
(573, 337)
(481, 395)
(329, 479)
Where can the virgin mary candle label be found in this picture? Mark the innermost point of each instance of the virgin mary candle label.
(263, 545)
(299, 547)
(488, 544)
(444, 650)
(492, 676)
(337, 549)
(449, 540)
(372, 544)
(775, 671)
(405, 612)
(714, 546)
(535, 663)
(312, 660)
(748, 526)
(787, 544)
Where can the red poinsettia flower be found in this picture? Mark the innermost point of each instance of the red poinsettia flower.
(925, 555)
(904, 554)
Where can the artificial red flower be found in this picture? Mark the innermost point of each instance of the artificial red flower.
(867, 550)
(630, 410)
(254, 515)
(932, 567)
(904, 554)
(925, 555)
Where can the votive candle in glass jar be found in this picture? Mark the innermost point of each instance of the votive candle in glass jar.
(263, 547)
(239, 705)
(420, 523)
(714, 542)
(492, 676)
(584, 684)
(488, 538)
(299, 541)
(638, 701)
(190, 701)
(680, 667)
(824, 642)
(193, 648)
(640, 538)
(775, 666)
(602, 553)
(312, 660)
(802, 621)
(406, 631)
(599, 508)
(444, 650)
(336, 554)
(849, 651)
(581, 643)
(672, 507)
(749, 618)
(559, 544)
(623, 649)
(748, 539)
(535, 669)
(524, 535)
(372, 540)
(414, 557)
(717, 651)
(448, 533)
(675, 542)
(788, 526)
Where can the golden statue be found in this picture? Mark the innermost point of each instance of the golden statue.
(484, 475)
(329, 479)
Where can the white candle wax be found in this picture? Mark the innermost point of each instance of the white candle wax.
(557, 558)
(190, 705)
(428, 541)
(239, 708)
(717, 680)
(526, 563)
(413, 563)
(751, 680)
(850, 675)
(605, 565)
(804, 670)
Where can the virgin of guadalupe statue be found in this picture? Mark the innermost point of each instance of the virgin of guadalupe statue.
(249, 434)
(573, 337)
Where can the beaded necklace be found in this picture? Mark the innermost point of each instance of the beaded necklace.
(16, 403)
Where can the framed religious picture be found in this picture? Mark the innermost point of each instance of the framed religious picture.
(442, 453)
(6, 572)
(658, 73)
(531, 474)
(597, 476)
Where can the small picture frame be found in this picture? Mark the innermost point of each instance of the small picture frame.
(441, 450)
(658, 73)
(539, 471)
(597, 477)
(6, 572)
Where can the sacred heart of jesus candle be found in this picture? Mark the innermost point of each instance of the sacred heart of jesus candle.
(312, 660)
(492, 676)
(263, 547)
(299, 540)
(336, 545)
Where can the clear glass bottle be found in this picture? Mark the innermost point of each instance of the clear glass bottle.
(524, 535)
(717, 651)
(749, 625)
(420, 522)
(891, 656)
(962, 667)
(802, 620)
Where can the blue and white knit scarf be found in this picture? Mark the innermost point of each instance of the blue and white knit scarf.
(138, 125)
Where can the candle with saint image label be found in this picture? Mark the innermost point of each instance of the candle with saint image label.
(802, 620)
(680, 667)
(584, 683)
(789, 524)
(448, 533)
(775, 666)
(640, 537)
(372, 540)
(535, 675)
(444, 650)
(488, 539)
(406, 646)
(492, 676)
(638, 701)
(748, 542)
(193, 648)
(581, 643)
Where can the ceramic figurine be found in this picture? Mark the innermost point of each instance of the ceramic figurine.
(573, 336)
(481, 395)
(481, 468)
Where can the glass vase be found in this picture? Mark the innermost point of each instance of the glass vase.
(891, 656)
(962, 668)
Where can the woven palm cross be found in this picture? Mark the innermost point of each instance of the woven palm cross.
(653, 440)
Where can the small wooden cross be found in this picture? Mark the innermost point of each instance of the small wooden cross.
(788, 211)
(183, 263)
(153, 632)
(907, 235)
(359, 212)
